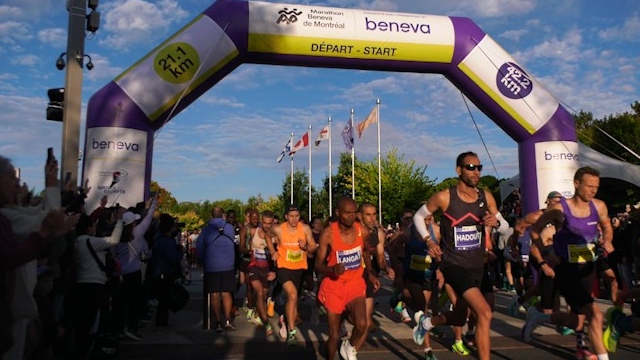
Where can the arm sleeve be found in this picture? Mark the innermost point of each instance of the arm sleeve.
(504, 225)
(553, 217)
(418, 221)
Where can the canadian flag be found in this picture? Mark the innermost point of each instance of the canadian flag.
(324, 134)
(302, 143)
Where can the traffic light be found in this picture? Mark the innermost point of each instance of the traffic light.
(55, 108)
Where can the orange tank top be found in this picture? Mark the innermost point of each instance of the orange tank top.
(348, 254)
(290, 255)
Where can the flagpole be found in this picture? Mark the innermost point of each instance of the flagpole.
(330, 172)
(291, 174)
(353, 161)
(309, 135)
(379, 167)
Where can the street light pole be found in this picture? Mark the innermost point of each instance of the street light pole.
(73, 90)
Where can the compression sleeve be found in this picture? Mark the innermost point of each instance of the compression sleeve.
(418, 221)
(554, 217)
(504, 225)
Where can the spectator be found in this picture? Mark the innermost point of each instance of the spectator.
(164, 267)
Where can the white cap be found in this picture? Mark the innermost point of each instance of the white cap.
(129, 217)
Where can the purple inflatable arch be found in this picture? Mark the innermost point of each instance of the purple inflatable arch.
(123, 116)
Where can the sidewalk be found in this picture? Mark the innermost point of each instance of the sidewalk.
(392, 340)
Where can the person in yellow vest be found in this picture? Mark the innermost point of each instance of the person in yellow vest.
(294, 240)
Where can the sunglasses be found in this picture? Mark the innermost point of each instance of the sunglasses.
(472, 167)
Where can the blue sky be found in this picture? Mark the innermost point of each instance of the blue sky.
(225, 145)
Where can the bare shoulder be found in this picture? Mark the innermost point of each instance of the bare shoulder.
(601, 207)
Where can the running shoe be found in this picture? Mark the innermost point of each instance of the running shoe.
(406, 318)
(584, 354)
(250, 314)
(271, 307)
(399, 307)
(132, 334)
(219, 328)
(459, 348)
(347, 351)
(612, 333)
(429, 355)
(419, 331)
(283, 327)
(513, 306)
(565, 331)
(229, 326)
(534, 318)
(268, 330)
(291, 339)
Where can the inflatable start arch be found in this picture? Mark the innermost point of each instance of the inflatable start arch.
(123, 116)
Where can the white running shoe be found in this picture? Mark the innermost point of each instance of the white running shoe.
(347, 351)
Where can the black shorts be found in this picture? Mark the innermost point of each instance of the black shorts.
(486, 285)
(548, 291)
(461, 279)
(283, 275)
(259, 274)
(220, 281)
(575, 282)
(370, 288)
(416, 289)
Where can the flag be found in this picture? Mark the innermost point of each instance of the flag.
(302, 143)
(285, 151)
(370, 119)
(347, 134)
(324, 134)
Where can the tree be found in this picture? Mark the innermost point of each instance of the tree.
(300, 191)
(403, 184)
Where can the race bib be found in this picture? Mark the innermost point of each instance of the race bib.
(581, 253)
(525, 258)
(467, 237)
(294, 256)
(352, 258)
(260, 254)
(420, 262)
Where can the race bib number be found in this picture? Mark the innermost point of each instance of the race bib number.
(467, 237)
(260, 254)
(295, 256)
(352, 259)
(420, 262)
(581, 253)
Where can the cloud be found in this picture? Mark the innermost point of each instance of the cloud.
(131, 22)
(10, 12)
(514, 34)
(52, 36)
(626, 32)
(25, 60)
(14, 31)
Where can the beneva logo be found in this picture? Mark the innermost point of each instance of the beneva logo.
(405, 27)
(114, 145)
(551, 156)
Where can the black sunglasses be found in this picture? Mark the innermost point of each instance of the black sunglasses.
(472, 167)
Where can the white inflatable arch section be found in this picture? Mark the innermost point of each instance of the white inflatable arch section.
(123, 116)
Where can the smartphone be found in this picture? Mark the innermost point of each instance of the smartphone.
(50, 156)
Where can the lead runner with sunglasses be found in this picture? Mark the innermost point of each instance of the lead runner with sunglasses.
(469, 213)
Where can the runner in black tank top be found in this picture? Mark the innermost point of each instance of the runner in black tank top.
(462, 231)
(467, 210)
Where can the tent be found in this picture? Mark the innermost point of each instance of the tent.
(608, 167)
